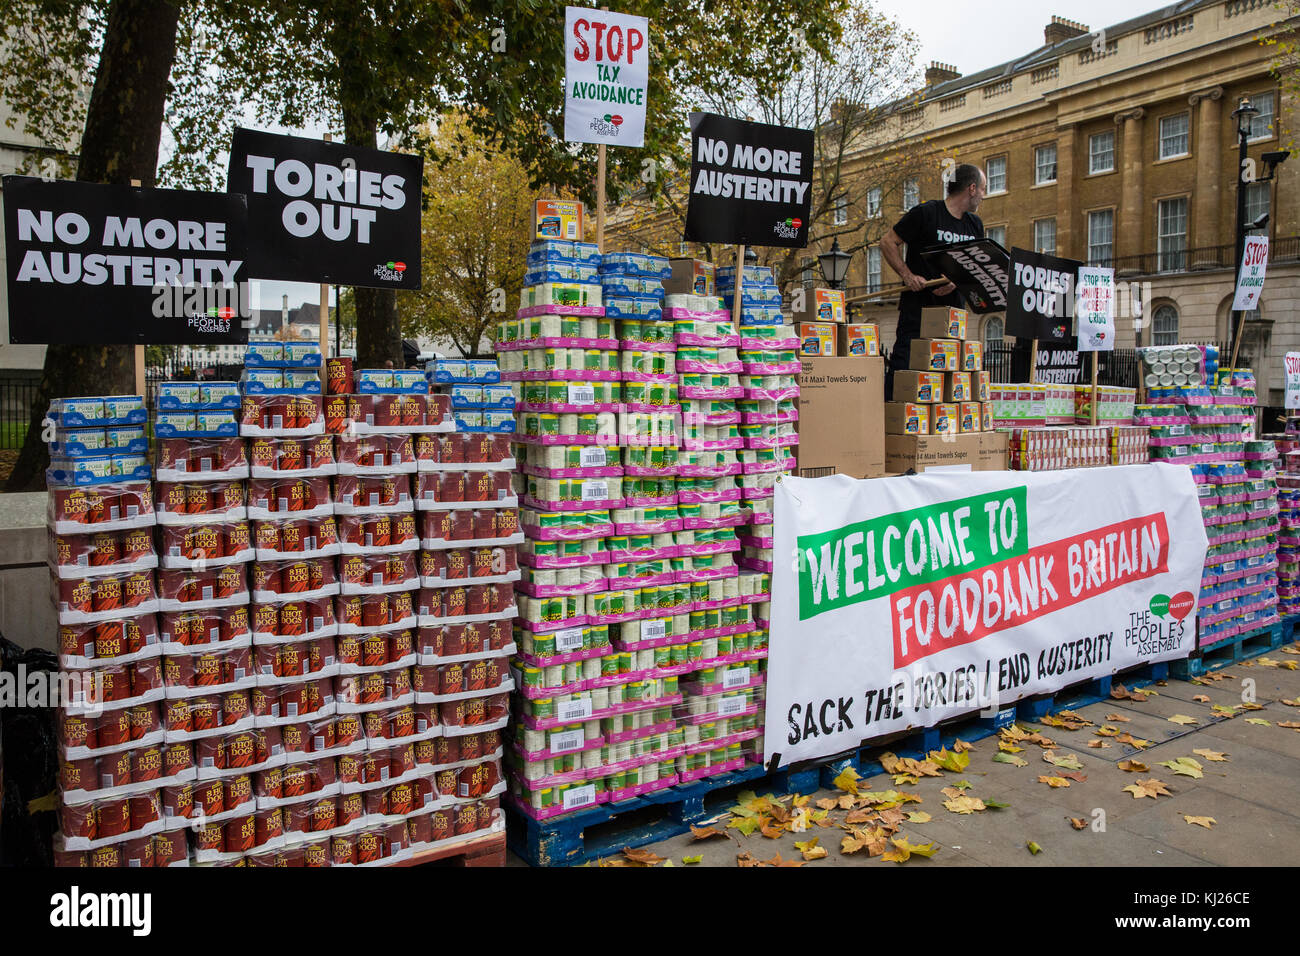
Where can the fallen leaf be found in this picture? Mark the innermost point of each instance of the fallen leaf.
(887, 798)
(952, 793)
(1072, 715)
(704, 833)
(1291, 703)
(1133, 766)
(1009, 748)
(810, 849)
(1151, 787)
(903, 851)
(949, 760)
(860, 816)
(1106, 730)
(1226, 712)
(644, 857)
(1079, 823)
(692, 859)
(1207, 822)
(995, 804)
(918, 816)
(1075, 776)
(1119, 718)
(873, 841)
(892, 818)
(1054, 782)
(1011, 759)
(1258, 720)
(1033, 848)
(1186, 766)
(1133, 741)
(846, 801)
(962, 784)
(1120, 692)
(1201, 699)
(1064, 724)
(772, 832)
(746, 825)
(1069, 762)
(1291, 649)
(828, 804)
(777, 861)
(1212, 755)
(964, 805)
(1097, 744)
(960, 746)
(1289, 724)
(1182, 719)
(746, 859)
(800, 801)
(1251, 706)
(847, 780)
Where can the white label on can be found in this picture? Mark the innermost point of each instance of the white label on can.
(566, 740)
(1177, 430)
(730, 706)
(654, 630)
(735, 677)
(582, 395)
(579, 709)
(570, 639)
(593, 457)
(583, 796)
(595, 490)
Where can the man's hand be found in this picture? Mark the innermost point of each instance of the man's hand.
(914, 282)
(946, 289)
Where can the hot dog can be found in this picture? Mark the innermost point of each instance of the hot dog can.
(442, 824)
(351, 807)
(270, 783)
(239, 834)
(109, 857)
(239, 791)
(375, 610)
(145, 808)
(178, 801)
(145, 676)
(235, 706)
(205, 713)
(112, 817)
(211, 752)
(138, 852)
(106, 594)
(268, 825)
(177, 758)
(146, 764)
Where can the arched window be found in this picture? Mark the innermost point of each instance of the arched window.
(1164, 326)
(994, 328)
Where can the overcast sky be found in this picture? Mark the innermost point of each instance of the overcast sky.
(973, 36)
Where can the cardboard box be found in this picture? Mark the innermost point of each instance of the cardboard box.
(558, 219)
(943, 420)
(841, 410)
(981, 382)
(816, 338)
(913, 386)
(862, 338)
(972, 356)
(822, 305)
(985, 451)
(986, 416)
(935, 355)
(692, 277)
(970, 417)
(943, 322)
(907, 418)
(956, 387)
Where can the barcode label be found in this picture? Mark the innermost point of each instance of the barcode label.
(816, 472)
(583, 796)
(579, 709)
(566, 740)
(593, 457)
(654, 630)
(735, 677)
(582, 395)
(595, 490)
(730, 706)
(568, 640)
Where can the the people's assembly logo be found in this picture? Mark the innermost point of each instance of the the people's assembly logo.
(390, 271)
(606, 125)
(788, 228)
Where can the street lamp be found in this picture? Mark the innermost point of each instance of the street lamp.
(834, 265)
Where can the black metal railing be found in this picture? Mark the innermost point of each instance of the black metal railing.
(18, 389)
(1285, 249)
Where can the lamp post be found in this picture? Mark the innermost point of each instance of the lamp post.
(1245, 115)
(834, 265)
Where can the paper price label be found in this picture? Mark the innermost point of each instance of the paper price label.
(654, 630)
(595, 490)
(579, 709)
(1177, 429)
(593, 457)
(570, 639)
(735, 677)
(566, 740)
(583, 796)
(582, 395)
(730, 706)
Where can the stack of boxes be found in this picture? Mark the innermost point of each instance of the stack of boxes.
(1288, 537)
(822, 327)
(945, 390)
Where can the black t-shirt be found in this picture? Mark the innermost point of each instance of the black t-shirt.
(926, 225)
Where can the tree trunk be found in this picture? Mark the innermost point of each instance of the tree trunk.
(120, 143)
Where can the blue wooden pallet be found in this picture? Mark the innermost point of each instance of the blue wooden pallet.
(565, 840)
(1235, 649)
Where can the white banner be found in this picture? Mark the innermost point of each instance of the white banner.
(1096, 310)
(901, 602)
(606, 71)
(1291, 362)
(1250, 282)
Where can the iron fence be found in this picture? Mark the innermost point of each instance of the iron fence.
(18, 388)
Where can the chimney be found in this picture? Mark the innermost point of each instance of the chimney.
(940, 73)
(1062, 29)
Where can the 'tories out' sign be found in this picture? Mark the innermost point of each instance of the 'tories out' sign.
(120, 265)
(606, 71)
(1040, 303)
(751, 183)
(328, 212)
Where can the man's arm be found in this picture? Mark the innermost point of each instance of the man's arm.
(891, 247)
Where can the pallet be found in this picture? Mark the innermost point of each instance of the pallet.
(582, 837)
(483, 851)
(1234, 650)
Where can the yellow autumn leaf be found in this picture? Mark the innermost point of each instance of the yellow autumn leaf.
(964, 805)
(1182, 719)
(1033, 848)
(1133, 766)
(1011, 759)
(1151, 787)
(1097, 743)
(1119, 718)
(1258, 721)
(1291, 703)
(960, 746)
(918, 816)
(1206, 822)
(1105, 730)
(1079, 823)
(847, 780)
(1289, 724)
(1054, 782)
(1008, 748)
(949, 760)
(1185, 766)
(1212, 755)
(800, 800)
(1132, 741)
(1069, 762)
(692, 859)
(828, 803)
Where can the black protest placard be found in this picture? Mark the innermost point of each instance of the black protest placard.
(1041, 299)
(328, 212)
(751, 183)
(978, 268)
(120, 265)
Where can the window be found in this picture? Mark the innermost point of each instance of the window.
(1171, 233)
(1101, 237)
(1101, 152)
(873, 269)
(998, 234)
(875, 196)
(1258, 200)
(684, 249)
(994, 329)
(1045, 236)
(1045, 165)
(1173, 136)
(807, 276)
(996, 172)
(840, 210)
(911, 193)
(1261, 127)
(1164, 326)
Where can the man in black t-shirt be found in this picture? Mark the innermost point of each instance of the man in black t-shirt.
(934, 223)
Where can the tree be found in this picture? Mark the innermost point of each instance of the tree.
(477, 228)
(120, 143)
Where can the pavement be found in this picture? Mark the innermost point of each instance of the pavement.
(1251, 795)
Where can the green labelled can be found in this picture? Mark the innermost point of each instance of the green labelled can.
(571, 326)
(708, 675)
(570, 549)
(543, 708)
(544, 645)
(597, 635)
(663, 657)
(547, 549)
(677, 654)
(572, 520)
(557, 392)
(588, 424)
(708, 731)
(635, 393)
(572, 456)
(617, 542)
(616, 781)
(712, 618)
(544, 798)
(638, 542)
(695, 651)
(548, 424)
(739, 643)
(625, 662)
(697, 620)
(609, 666)
(550, 519)
(725, 645)
(632, 778)
(591, 360)
(734, 752)
(532, 676)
